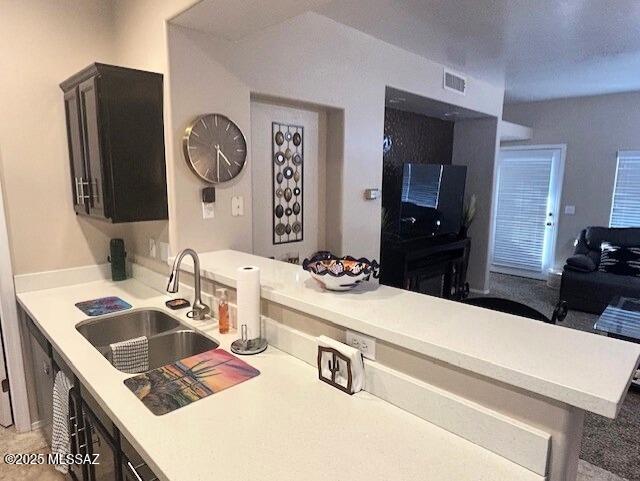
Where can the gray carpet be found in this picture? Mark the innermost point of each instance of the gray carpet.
(610, 445)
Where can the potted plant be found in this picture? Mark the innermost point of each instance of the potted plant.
(468, 215)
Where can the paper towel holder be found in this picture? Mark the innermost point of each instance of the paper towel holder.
(248, 347)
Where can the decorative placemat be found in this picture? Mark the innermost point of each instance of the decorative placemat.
(170, 387)
(104, 305)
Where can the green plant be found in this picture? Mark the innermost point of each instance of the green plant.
(469, 212)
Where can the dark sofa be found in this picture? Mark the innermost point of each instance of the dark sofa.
(583, 287)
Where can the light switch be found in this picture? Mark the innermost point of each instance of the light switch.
(163, 247)
(237, 206)
(569, 209)
(208, 210)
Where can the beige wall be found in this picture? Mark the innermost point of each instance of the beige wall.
(594, 129)
(342, 68)
(475, 142)
(43, 43)
(315, 136)
(211, 89)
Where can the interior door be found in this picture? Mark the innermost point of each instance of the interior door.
(526, 209)
(76, 151)
(91, 143)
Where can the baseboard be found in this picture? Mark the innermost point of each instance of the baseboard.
(38, 281)
(37, 425)
(483, 292)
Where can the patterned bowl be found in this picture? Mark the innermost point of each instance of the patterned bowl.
(340, 273)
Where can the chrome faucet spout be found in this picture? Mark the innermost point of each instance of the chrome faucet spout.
(200, 309)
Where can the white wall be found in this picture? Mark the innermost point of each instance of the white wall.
(594, 129)
(340, 67)
(314, 123)
(475, 142)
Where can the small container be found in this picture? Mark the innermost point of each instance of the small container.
(223, 311)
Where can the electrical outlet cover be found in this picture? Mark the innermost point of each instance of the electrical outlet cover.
(153, 251)
(366, 344)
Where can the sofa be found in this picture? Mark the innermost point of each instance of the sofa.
(583, 286)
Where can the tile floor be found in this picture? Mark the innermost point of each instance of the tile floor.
(32, 442)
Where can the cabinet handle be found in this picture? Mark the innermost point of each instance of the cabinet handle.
(133, 471)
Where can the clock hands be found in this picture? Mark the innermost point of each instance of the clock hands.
(224, 156)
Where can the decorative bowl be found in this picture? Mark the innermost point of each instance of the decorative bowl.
(340, 273)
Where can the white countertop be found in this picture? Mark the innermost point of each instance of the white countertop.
(283, 425)
(581, 369)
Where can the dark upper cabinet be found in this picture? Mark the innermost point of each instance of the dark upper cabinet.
(115, 134)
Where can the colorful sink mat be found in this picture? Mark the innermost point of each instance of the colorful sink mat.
(170, 387)
(104, 305)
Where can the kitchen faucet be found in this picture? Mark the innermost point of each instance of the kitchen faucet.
(200, 309)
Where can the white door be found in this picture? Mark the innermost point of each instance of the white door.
(526, 207)
(263, 114)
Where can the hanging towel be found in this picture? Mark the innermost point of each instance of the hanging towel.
(60, 439)
(353, 354)
(131, 356)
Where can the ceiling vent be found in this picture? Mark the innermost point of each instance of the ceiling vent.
(455, 82)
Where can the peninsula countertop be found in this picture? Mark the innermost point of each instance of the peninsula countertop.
(581, 369)
(284, 424)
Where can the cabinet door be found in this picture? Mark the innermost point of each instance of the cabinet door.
(90, 115)
(76, 151)
(100, 443)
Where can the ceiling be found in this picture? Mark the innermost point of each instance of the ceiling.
(540, 49)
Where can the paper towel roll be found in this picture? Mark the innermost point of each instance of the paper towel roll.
(248, 300)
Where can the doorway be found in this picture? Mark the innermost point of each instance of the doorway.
(526, 208)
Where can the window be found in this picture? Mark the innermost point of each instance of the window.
(625, 206)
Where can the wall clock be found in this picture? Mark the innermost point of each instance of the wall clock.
(215, 148)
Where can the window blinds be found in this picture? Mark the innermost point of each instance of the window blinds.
(625, 209)
(522, 209)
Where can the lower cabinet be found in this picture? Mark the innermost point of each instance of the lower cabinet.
(90, 428)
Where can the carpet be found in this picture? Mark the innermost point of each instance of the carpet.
(613, 445)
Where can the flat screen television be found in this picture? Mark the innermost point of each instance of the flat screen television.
(431, 201)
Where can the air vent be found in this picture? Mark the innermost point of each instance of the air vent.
(454, 82)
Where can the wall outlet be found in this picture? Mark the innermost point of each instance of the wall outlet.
(570, 209)
(366, 344)
(208, 210)
(163, 247)
(153, 251)
(237, 206)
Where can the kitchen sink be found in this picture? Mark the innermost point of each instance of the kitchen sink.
(106, 330)
(173, 346)
(169, 340)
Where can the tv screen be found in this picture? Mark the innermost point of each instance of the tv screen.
(432, 199)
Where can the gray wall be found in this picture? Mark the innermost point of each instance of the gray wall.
(594, 129)
(475, 143)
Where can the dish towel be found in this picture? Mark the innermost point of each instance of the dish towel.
(354, 355)
(60, 439)
(131, 356)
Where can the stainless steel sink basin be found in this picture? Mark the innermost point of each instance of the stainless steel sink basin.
(173, 346)
(169, 340)
(106, 330)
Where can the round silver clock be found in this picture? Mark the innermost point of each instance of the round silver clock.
(215, 148)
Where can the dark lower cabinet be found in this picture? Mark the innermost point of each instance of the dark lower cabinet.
(91, 430)
(115, 134)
